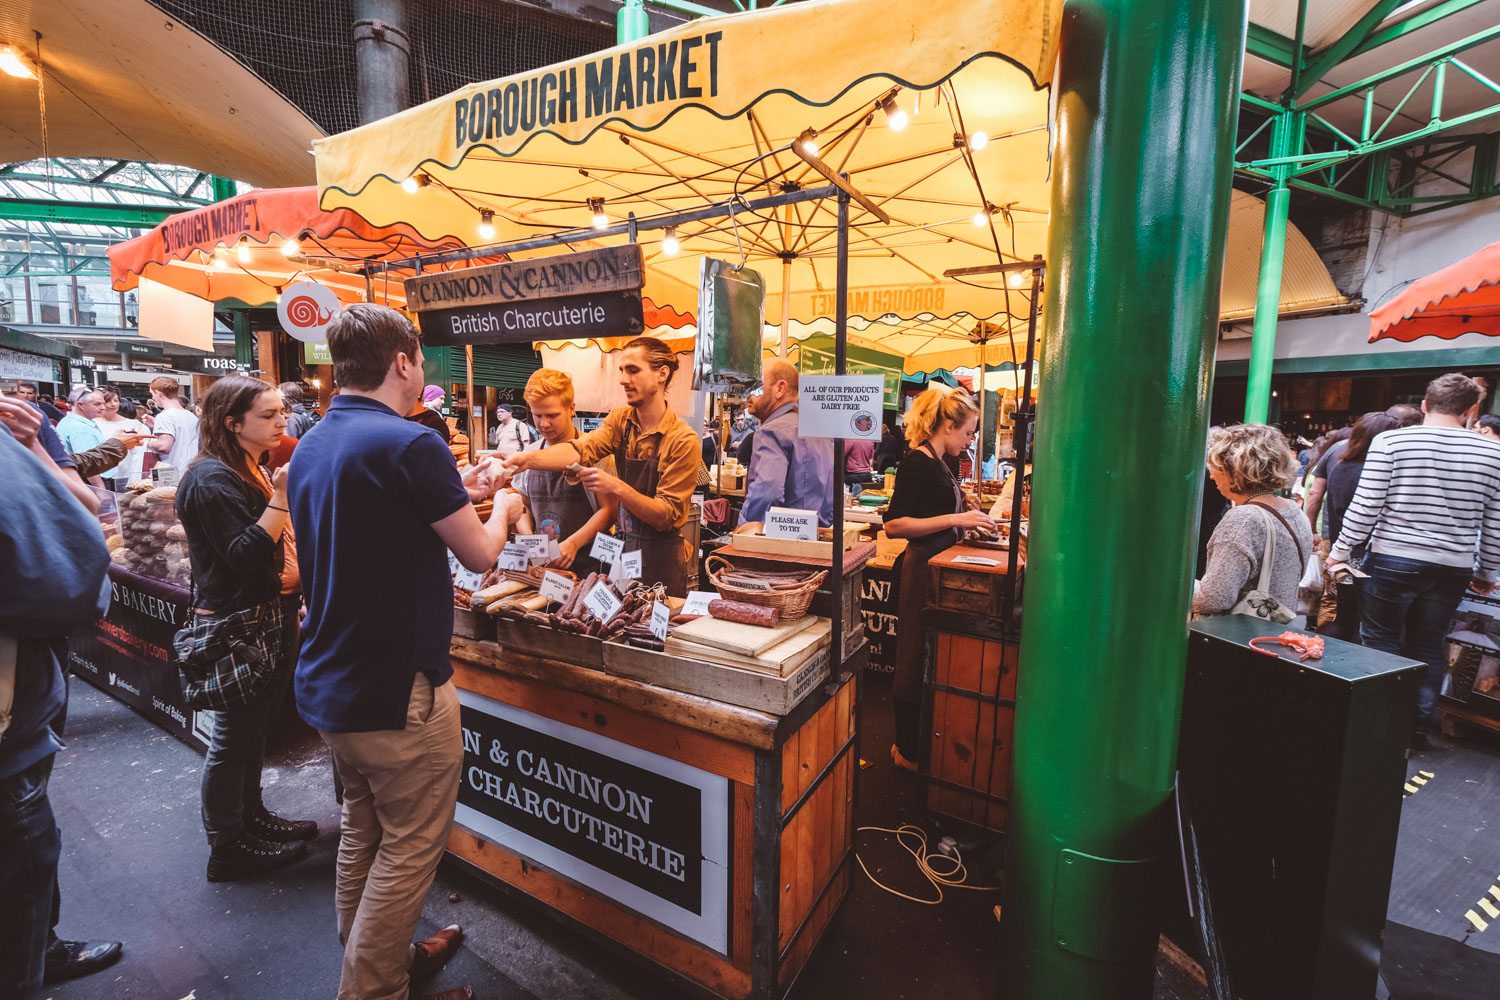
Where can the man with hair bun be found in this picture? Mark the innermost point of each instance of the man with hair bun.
(1428, 504)
(657, 458)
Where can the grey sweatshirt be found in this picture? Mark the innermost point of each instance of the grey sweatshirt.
(1234, 555)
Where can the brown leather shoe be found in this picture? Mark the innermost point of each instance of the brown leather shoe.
(460, 993)
(431, 955)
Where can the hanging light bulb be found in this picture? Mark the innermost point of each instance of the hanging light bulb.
(978, 141)
(895, 115)
(242, 252)
(291, 248)
(670, 245)
(982, 217)
(15, 63)
(486, 224)
(220, 263)
(809, 142)
(1017, 279)
(596, 209)
(415, 183)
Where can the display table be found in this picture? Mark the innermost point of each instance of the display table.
(969, 698)
(128, 652)
(709, 840)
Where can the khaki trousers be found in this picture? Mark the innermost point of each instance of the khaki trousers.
(400, 788)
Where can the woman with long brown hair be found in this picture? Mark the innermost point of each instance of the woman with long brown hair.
(244, 565)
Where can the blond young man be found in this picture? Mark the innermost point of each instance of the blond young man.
(564, 510)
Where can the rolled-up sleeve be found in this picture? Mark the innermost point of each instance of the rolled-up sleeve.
(677, 467)
(604, 439)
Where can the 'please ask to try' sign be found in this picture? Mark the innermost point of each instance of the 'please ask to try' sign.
(596, 293)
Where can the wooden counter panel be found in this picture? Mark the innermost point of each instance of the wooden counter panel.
(604, 917)
(813, 844)
(801, 950)
(971, 747)
(728, 722)
(556, 699)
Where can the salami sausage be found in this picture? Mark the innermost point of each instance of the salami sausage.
(745, 614)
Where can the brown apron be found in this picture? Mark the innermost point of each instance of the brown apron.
(911, 599)
(662, 557)
(560, 508)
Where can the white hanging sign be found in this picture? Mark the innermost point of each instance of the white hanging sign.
(840, 406)
(305, 309)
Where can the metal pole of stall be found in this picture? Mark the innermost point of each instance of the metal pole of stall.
(840, 356)
(632, 23)
(1117, 483)
(786, 306)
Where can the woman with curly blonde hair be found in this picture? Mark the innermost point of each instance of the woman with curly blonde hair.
(1250, 464)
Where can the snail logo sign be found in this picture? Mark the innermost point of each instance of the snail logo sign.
(305, 309)
(646, 831)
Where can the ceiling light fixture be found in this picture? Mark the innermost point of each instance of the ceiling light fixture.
(486, 224)
(895, 115)
(596, 209)
(670, 245)
(809, 142)
(415, 183)
(242, 252)
(14, 63)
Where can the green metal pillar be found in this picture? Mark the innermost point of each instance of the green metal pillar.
(244, 339)
(632, 23)
(1286, 140)
(1146, 106)
(224, 187)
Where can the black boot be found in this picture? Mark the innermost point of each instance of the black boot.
(249, 855)
(268, 826)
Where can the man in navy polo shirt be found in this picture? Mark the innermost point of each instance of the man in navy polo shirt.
(377, 504)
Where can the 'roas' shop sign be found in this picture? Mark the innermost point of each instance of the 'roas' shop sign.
(646, 831)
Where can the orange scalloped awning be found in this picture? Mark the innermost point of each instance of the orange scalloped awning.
(199, 252)
(1461, 298)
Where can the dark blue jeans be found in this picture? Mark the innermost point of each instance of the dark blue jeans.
(1406, 608)
(29, 848)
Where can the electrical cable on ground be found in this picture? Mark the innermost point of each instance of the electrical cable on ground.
(954, 877)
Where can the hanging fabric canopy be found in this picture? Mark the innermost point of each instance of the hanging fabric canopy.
(248, 247)
(1461, 298)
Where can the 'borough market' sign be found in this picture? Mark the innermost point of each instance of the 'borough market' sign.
(648, 832)
(595, 293)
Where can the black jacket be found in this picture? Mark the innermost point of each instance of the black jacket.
(235, 563)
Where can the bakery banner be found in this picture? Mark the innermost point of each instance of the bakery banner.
(128, 652)
(646, 831)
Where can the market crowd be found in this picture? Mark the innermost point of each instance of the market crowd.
(320, 552)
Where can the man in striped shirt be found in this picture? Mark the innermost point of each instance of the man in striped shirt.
(1428, 503)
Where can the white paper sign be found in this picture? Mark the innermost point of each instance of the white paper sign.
(630, 565)
(697, 602)
(602, 602)
(464, 579)
(976, 561)
(514, 557)
(556, 587)
(840, 406)
(606, 548)
(535, 546)
(661, 617)
(784, 522)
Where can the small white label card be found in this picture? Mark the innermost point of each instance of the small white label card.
(784, 522)
(976, 561)
(556, 587)
(554, 551)
(514, 557)
(697, 602)
(535, 546)
(464, 579)
(606, 548)
(630, 565)
(602, 602)
(661, 616)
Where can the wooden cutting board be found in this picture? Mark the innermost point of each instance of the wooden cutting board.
(747, 640)
(779, 660)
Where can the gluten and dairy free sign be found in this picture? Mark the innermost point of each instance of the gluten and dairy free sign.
(840, 406)
(645, 830)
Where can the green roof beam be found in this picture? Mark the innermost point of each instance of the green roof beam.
(1401, 69)
(1326, 59)
(85, 213)
(1384, 36)
(1271, 46)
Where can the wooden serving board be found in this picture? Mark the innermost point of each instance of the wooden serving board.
(780, 660)
(747, 640)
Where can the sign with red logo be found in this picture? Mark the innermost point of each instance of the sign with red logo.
(305, 309)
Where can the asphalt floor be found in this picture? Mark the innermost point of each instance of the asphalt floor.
(126, 798)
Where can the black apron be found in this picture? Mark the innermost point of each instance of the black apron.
(663, 559)
(559, 509)
(911, 599)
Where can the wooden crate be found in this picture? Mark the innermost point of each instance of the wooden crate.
(754, 541)
(967, 761)
(471, 624)
(747, 688)
(538, 640)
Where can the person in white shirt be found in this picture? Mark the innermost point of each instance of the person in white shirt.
(176, 427)
(511, 435)
(112, 424)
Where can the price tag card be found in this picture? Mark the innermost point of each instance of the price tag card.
(554, 551)
(602, 602)
(606, 548)
(783, 522)
(661, 616)
(556, 587)
(535, 546)
(630, 565)
(514, 557)
(976, 561)
(464, 579)
(697, 602)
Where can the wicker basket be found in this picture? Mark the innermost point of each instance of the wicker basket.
(792, 604)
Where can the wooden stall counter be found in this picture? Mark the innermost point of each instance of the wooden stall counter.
(709, 840)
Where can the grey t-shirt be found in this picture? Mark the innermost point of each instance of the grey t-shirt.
(183, 426)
